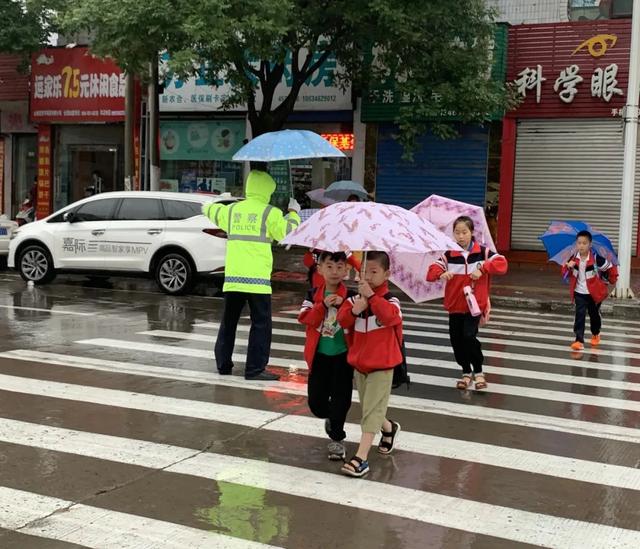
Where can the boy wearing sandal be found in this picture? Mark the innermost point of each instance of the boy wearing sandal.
(375, 321)
(330, 383)
(459, 269)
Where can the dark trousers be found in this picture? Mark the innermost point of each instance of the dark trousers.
(584, 304)
(259, 336)
(463, 331)
(329, 388)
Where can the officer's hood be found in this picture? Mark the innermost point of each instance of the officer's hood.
(260, 185)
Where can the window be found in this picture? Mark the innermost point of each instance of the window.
(96, 210)
(139, 209)
(181, 209)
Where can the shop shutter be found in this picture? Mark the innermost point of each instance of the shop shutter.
(568, 169)
(456, 168)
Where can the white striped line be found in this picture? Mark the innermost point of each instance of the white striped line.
(512, 458)
(160, 456)
(530, 323)
(295, 364)
(526, 392)
(622, 342)
(202, 410)
(517, 313)
(50, 311)
(425, 333)
(57, 519)
(417, 505)
(300, 364)
(543, 359)
(541, 332)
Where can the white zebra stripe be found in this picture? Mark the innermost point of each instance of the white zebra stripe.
(417, 505)
(206, 411)
(43, 517)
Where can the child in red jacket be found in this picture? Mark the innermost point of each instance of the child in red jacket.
(330, 383)
(587, 287)
(310, 261)
(460, 269)
(375, 321)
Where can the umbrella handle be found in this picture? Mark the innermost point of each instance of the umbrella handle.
(363, 266)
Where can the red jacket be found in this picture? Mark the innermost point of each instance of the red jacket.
(597, 287)
(312, 315)
(478, 257)
(310, 261)
(375, 334)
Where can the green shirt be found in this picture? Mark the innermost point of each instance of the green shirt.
(332, 340)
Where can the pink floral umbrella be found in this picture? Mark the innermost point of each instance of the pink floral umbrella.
(369, 226)
(409, 271)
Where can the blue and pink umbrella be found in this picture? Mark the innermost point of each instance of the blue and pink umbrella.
(560, 241)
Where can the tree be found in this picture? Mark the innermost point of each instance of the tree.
(26, 25)
(438, 53)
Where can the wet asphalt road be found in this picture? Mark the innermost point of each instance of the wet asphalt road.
(116, 432)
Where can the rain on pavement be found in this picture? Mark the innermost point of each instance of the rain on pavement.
(112, 412)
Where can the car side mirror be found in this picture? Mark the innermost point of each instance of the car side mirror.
(70, 217)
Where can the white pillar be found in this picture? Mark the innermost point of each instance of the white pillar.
(623, 288)
(359, 137)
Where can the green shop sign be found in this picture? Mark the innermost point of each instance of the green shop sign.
(201, 139)
(383, 104)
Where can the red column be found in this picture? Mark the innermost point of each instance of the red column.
(507, 171)
(44, 200)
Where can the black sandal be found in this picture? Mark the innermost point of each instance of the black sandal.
(361, 470)
(385, 447)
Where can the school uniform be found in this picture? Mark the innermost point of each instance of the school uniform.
(463, 327)
(330, 382)
(374, 352)
(589, 290)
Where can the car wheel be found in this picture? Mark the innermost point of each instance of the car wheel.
(174, 274)
(36, 265)
(3, 262)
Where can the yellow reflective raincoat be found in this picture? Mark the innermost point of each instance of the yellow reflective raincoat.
(251, 226)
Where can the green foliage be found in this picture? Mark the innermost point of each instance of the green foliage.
(439, 52)
(26, 25)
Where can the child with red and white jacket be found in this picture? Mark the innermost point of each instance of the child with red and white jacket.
(460, 269)
(588, 289)
(374, 320)
(330, 383)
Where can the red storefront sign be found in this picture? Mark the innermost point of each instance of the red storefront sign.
(342, 141)
(566, 70)
(70, 85)
(43, 202)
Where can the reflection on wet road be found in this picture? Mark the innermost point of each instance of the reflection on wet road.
(111, 410)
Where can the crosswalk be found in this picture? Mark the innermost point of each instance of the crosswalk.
(160, 451)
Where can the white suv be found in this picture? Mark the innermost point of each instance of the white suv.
(158, 233)
(7, 227)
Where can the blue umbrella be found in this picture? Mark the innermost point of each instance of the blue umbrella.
(560, 241)
(342, 190)
(287, 145)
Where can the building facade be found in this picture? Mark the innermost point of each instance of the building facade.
(562, 148)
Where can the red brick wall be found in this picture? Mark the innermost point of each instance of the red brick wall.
(14, 86)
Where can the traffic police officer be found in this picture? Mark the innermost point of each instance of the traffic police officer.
(251, 226)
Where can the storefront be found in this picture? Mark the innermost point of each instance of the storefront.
(198, 138)
(196, 155)
(17, 137)
(563, 146)
(464, 168)
(77, 101)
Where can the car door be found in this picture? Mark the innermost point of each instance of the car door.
(79, 240)
(136, 233)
